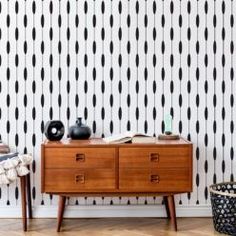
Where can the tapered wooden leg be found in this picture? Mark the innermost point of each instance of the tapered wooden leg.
(171, 204)
(61, 207)
(166, 206)
(23, 202)
(28, 187)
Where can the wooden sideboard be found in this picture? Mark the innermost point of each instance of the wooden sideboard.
(92, 167)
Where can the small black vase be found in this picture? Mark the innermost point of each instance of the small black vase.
(79, 130)
(54, 130)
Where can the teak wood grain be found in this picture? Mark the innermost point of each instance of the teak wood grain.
(154, 157)
(79, 180)
(155, 180)
(80, 158)
(92, 167)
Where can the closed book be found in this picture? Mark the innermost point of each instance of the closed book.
(4, 148)
(4, 157)
(168, 137)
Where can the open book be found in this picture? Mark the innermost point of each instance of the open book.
(130, 137)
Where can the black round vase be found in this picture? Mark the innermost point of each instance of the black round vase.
(54, 130)
(79, 130)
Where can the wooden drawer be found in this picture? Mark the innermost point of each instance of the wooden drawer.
(79, 180)
(80, 158)
(154, 157)
(151, 180)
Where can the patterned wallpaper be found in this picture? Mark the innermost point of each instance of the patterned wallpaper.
(121, 65)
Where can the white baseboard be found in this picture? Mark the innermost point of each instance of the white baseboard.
(109, 211)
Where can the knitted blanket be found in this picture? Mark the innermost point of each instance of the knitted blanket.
(13, 167)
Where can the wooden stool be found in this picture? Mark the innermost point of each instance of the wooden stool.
(25, 198)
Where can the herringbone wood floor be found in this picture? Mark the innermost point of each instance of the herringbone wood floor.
(110, 227)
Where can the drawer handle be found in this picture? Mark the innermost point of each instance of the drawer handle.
(154, 157)
(79, 178)
(80, 157)
(154, 178)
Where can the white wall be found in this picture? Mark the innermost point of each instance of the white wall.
(23, 132)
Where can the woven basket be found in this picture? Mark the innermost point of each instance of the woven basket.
(223, 201)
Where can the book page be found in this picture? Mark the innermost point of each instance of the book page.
(143, 139)
(123, 138)
(117, 138)
(135, 134)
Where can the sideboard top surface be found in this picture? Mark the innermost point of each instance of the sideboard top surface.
(98, 142)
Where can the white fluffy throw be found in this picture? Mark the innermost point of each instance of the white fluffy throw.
(11, 168)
